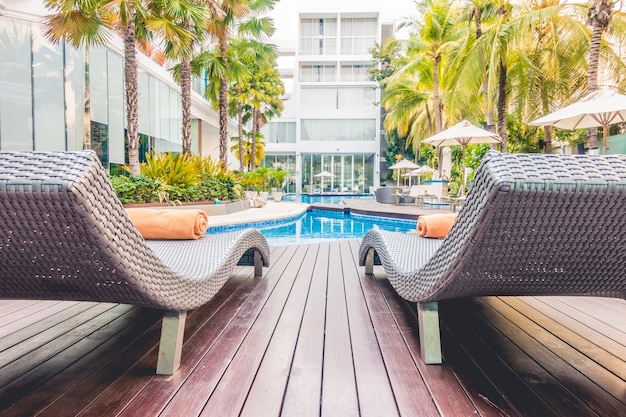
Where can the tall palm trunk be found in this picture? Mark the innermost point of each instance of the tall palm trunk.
(592, 79)
(223, 104)
(599, 17)
(547, 130)
(437, 108)
(86, 103)
(485, 86)
(185, 87)
(240, 132)
(502, 105)
(436, 98)
(255, 132)
(130, 84)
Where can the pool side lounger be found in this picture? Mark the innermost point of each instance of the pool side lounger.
(66, 236)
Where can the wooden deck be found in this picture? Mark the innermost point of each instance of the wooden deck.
(315, 336)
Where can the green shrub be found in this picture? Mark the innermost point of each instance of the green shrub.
(135, 189)
(180, 193)
(170, 169)
(175, 179)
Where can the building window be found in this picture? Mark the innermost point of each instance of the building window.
(351, 172)
(318, 36)
(342, 98)
(318, 73)
(43, 96)
(16, 89)
(279, 132)
(358, 35)
(285, 162)
(100, 140)
(338, 130)
(355, 73)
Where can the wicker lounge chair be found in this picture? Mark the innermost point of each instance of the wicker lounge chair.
(531, 225)
(66, 236)
(386, 195)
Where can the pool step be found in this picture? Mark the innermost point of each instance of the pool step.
(330, 207)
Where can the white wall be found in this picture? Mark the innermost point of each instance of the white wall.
(28, 7)
(286, 12)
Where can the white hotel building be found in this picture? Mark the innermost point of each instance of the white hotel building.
(331, 120)
(43, 104)
(332, 117)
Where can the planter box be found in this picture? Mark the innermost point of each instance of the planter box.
(209, 207)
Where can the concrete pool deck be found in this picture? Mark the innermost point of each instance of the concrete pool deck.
(286, 209)
(271, 211)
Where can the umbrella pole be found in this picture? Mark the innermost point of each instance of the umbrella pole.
(463, 171)
(605, 139)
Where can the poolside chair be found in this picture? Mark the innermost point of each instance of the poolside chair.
(531, 225)
(386, 195)
(66, 236)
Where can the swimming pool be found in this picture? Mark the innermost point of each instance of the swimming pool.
(320, 225)
(326, 199)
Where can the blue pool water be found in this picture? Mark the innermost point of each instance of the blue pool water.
(320, 225)
(326, 199)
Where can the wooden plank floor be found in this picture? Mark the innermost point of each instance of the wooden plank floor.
(316, 337)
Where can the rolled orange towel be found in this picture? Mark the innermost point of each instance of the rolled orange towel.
(168, 223)
(435, 225)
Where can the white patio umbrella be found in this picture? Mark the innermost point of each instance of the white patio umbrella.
(418, 173)
(321, 176)
(463, 133)
(403, 164)
(598, 109)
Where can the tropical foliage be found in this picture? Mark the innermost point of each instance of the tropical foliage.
(217, 38)
(180, 24)
(177, 178)
(494, 62)
(223, 65)
(245, 145)
(89, 23)
(498, 63)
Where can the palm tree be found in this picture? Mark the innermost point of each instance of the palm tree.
(600, 14)
(251, 55)
(221, 28)
(499, 54)
(548, 62)
(407, 104)
(86, 24)
(265, 90)
(492, 49)
(180, 23)
(479, 14)
(237, 99)
(437, 34)
(246, 148)
(233, 13)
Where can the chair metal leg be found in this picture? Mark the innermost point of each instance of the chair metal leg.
(430, 339)
(369, 261)
(258, 264)
(171, 345)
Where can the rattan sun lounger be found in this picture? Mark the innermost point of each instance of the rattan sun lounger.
(531, 225)
(66, 236)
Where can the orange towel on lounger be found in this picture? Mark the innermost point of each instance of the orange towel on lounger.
(168, 223)
(435, 225)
